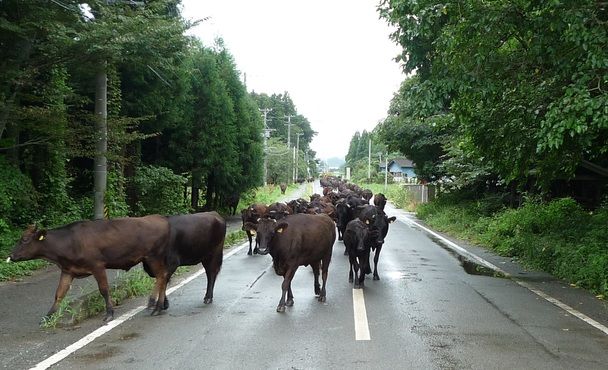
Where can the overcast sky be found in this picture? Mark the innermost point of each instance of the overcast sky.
(334, 58)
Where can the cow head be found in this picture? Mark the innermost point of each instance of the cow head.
(29, 246)
(380, 226)
(265, 231)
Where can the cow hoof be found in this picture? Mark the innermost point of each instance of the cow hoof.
(322, 299)
(281, 309)
(108, 317)
(289, 303)
(166, 304)
(256, 251)
(249, 253)
(207, 300)
(376, 277)
(151, 303)
(346, 253)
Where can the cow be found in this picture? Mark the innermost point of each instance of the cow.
(380, 226)
(366, 194)
(297, 240)
(278, 210)
(380, 201)
(86, 248)
(232, 202)
(283, 187)
(252, 214)
(358, 239)
(195, 238)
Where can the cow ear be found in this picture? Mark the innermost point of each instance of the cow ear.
(391, 219)
(251, 227)
(280, 227)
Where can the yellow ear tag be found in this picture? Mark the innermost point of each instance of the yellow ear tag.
(41, 237)
(252, 232)
(367, 222)
(280, 230)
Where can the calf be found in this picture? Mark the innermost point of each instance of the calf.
(358, 239)
(195, 238)
(251, 214)
(283, 187)
(89, 248)
(297, 240)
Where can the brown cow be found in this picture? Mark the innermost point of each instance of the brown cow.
(297, 240)
(195, 238)
(89, 248)
(283, 187)
(251, 214)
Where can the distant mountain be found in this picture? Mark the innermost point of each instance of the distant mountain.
(335, 162)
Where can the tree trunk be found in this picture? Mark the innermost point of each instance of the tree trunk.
(100, 169)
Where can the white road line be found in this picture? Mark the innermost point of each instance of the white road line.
(483, 262)
(52, 360)
(361, 327)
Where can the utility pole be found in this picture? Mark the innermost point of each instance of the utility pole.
(369, 160)
(265, 112)
(288, 124)
(100, 170)
(297, 154)
(386, 173)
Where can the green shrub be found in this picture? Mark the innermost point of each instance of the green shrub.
(159, 191)
(18, 198)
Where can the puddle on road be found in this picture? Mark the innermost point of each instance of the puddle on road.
(469, 266)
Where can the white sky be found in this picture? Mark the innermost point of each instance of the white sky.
(334, 58)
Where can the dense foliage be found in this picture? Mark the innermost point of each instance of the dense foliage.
(504, 91)
(183, 132)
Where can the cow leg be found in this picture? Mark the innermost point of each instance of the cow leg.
(64, 285)
(362, 266)
(255, 249)
(339, 234)
(354, 262)
(286, 286)
(324, 268)
(376, 258)
(211, 270)
(102, 283)
(315, 272)
(289, 301)
(250, 242)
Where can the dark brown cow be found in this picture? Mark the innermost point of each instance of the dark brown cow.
(358, 240)
(89, 248)
(283, 187)
(195, 238)
(251, 214)
(297, 240)
(380, 201)
(278, 211)
(232, 202)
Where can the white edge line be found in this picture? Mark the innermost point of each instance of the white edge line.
(538, 292)
(360, 314)
(52, 360)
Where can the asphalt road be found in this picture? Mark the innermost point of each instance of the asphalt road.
(426, 312)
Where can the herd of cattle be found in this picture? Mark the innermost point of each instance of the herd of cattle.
(297, 233)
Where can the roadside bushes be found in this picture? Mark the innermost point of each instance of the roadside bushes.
(159, 191)
(558, 237)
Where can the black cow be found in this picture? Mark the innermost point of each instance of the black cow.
(380, 228)
(358, 239)
(297, 240)
(86, 248)
(252, 214)
(380, 201)
(232, 202)
(195, 238)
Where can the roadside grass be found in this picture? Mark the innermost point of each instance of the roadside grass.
(558, 237)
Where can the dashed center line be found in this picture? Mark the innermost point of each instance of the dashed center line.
(361, 326)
